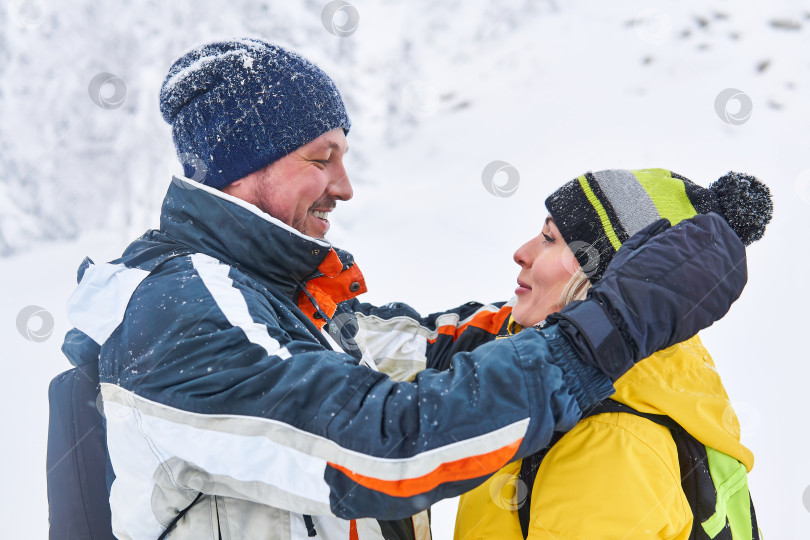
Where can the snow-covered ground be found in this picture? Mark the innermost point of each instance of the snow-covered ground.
(437, 91)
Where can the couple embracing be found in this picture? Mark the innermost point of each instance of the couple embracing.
(250, 393)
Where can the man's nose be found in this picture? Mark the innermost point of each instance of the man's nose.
(339, 186)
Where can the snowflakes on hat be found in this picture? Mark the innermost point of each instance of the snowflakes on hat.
(745, 203)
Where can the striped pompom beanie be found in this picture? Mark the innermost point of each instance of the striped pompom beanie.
(597, 212)
(237, 106)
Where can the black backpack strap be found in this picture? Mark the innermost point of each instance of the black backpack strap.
(608, 406)
(754, 526)
(528, 472)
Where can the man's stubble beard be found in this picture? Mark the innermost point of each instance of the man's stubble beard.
(264, 193)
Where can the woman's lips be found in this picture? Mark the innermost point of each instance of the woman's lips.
(522, 288)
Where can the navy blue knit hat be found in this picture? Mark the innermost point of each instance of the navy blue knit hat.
(237, 106)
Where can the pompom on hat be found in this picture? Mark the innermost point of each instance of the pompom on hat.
(597, 212)
(237, 106)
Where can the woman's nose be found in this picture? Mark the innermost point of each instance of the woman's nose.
(520, 256)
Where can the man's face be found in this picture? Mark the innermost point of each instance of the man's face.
(301, 188)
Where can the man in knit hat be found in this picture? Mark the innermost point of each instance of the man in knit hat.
(252, 119)
(239, 372)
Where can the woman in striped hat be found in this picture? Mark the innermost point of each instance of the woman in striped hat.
(622, 472)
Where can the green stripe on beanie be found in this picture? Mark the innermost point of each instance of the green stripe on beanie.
(607, 226)
(668, 194)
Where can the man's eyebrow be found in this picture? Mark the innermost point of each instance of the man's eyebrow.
(332, 145)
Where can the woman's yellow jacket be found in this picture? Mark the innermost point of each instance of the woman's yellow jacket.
(616, 475)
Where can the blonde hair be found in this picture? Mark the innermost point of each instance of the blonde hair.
(576, 288)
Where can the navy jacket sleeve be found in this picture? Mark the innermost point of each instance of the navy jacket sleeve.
(207, 374)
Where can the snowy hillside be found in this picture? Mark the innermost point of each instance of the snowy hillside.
(436, 92)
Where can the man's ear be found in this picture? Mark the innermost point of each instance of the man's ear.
(235, 187)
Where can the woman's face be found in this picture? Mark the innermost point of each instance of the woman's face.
(546, 266)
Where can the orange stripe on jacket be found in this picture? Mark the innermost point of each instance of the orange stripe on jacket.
(490, 321)
(453, 471)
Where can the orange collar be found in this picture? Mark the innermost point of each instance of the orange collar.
(334, 286)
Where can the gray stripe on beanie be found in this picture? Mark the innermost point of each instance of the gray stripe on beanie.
(629, 199)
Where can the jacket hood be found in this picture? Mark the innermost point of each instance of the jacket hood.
(683, 383)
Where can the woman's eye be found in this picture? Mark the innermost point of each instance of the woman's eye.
(548, 238)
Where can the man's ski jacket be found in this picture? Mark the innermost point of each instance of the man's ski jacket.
(234, 362)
